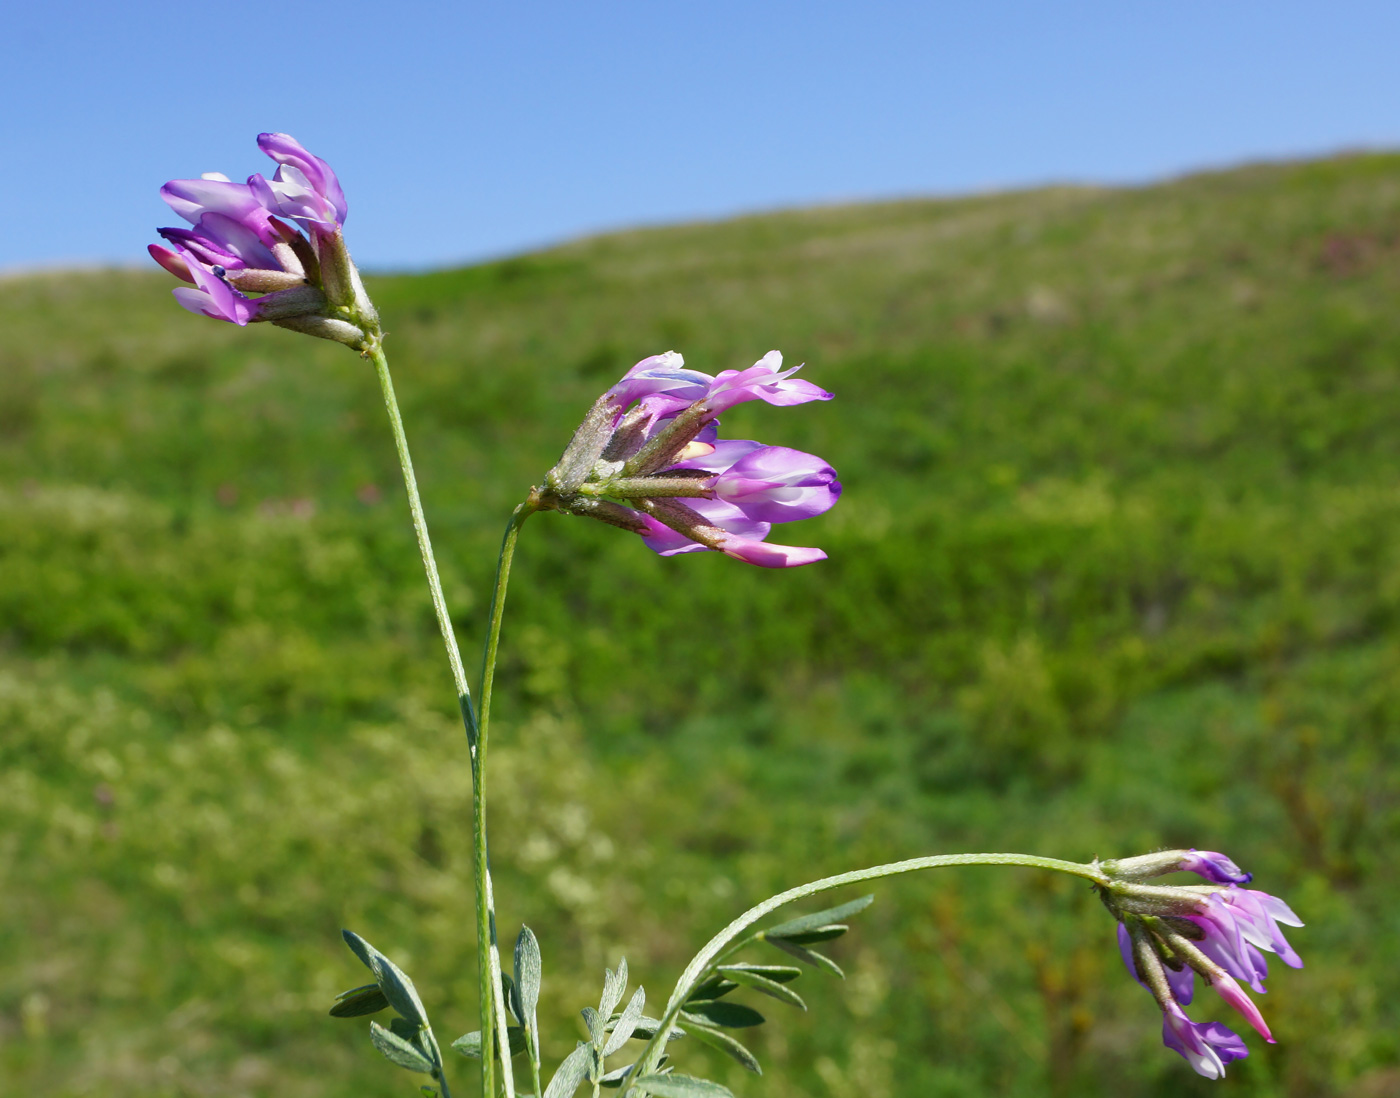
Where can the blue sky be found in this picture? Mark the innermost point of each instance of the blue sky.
(468, 130)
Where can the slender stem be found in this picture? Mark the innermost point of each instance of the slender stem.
(498, 606)
(488, 949)
(488, 959)
(438, 1074)
(700, 966)
(535, 1063)
(420, 527)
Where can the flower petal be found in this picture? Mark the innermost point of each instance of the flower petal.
(1207, 1046)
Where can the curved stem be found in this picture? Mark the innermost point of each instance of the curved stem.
(492, 1005)
(699, 967)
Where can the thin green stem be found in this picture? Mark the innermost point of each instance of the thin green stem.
(498, 606)
(492, 1005)
(438, 1074)
(700, 967)
(420, 528)
(488, 949)
(534, 1039)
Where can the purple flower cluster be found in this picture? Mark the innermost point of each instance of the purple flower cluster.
(1168, 933)
(238, 243)
(652, 442)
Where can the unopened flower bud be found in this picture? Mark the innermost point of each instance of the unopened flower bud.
(1209, 864)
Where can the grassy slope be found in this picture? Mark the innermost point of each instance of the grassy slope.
(1118, 565)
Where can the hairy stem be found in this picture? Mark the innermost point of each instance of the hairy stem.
(492, 1005)
(704, 961)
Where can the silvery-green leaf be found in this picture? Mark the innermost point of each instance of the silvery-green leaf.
(512, 996)
(721, 1012)
(818, 919)
(768, 987)
(614, 1079)
(715, 987)
(614, 984)
(470, 1044)
(594, 1021)
(398, 1051)
(359, 1001)
(622, 1030)
(362, 949)
(817, 934)
(402, 1027)
(682, 1086)
(400, 992)
(570, 1074)
(647, 1027)
(808, 956)
(782, 974)
(395, 984)
(527, 973)
(718, 1039)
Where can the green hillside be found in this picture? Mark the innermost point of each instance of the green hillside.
(1117, 567)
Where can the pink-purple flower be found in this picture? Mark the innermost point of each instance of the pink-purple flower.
(1168, 933)
(1207, 1046)
(303, 188)
(651, 441)
(671, 387)
(236, 244)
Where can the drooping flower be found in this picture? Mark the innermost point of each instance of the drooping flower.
(1168, 933)
(236, 245)
(652, 441)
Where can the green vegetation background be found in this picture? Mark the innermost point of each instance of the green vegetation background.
(1117, 566)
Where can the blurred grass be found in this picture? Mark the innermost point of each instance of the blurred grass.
(1117, 566)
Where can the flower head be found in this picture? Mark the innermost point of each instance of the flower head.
(236, 244)
(651, 442)
(1167, 934)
